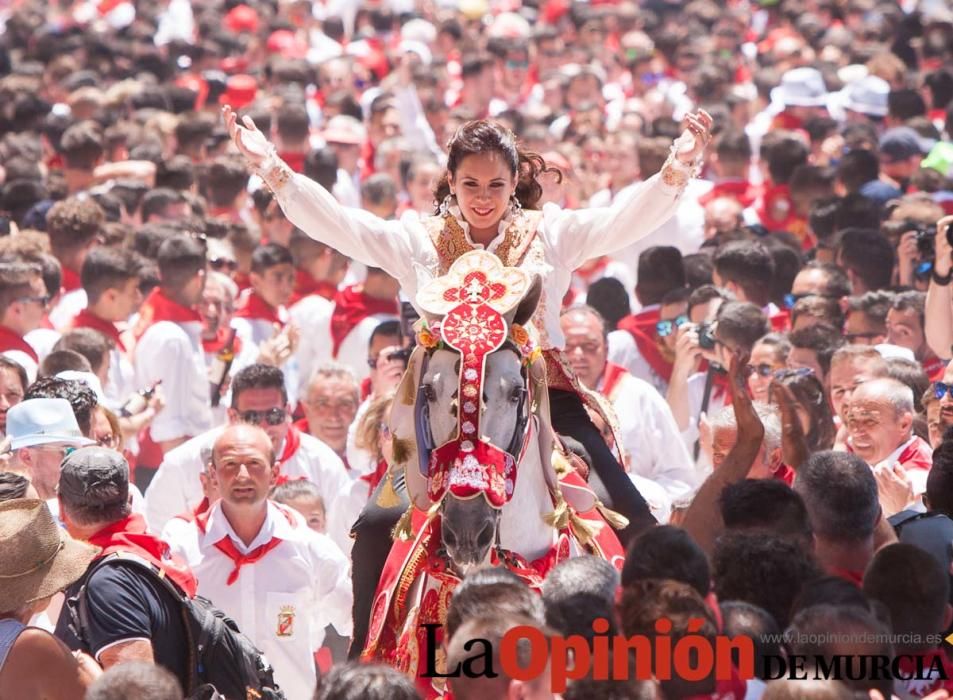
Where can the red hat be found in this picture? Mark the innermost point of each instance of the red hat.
(240, 91)
(242, 19)
(285, 42)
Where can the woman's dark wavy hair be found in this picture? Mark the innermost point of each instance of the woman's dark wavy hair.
(484, 136)
(809, 392)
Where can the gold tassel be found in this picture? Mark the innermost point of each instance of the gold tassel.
(560, 515)
(561, 465)
(616, 520)
(585, 530)
(388, 498)
(404, 529)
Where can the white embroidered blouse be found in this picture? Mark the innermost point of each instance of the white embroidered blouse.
(405, 250)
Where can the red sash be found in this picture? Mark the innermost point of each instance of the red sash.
(130, 535)
(641, 327)
(611, 376)
(780, 321)
(11, 341)
(158, 307)
(227, 547)
(351, 306)
(776, 208)
(71, 280)
(306, 285)
(87, 319)
(255, 308)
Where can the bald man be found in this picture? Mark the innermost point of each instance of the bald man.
(279, 580)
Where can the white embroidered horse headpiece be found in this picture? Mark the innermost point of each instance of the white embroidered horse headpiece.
(472, 307)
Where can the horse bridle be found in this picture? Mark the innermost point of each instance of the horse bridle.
(424, 435)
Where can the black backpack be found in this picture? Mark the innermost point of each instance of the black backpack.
(223, 662)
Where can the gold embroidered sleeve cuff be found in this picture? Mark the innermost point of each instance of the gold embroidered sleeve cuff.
(677, 174)
(275, 172)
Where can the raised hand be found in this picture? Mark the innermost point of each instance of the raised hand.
(691, 144)
(249, 140)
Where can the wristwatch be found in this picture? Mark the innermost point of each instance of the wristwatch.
(941, 281)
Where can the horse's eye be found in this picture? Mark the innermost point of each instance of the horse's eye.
(429, 392)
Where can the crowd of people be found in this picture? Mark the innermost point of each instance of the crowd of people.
(215, 216)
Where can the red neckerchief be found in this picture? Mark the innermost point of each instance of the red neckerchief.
(228, 548)
(190, 516)
(130, 535)
(351, 306)
(719, 386)
(306, 285)
(786, 120)
(741, 191)
(45, 322)
(366, 388)
(215, 345)
(780, 321)
(243, 280)
(375, 477)
(255, 308)
(785, 474)
(367, 160)
(776, 208)
(71, 281)
(302, 426)
(611, 376)
(917, 455)
(292, 443)
(158, 307)
(11, 341)
(87, 319)
(295, 161)
(854, 577)
(934, 367)
(641, 327)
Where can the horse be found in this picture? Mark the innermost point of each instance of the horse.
(471, 430)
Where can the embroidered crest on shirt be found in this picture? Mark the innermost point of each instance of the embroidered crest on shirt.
(286, 621)
(451, 241)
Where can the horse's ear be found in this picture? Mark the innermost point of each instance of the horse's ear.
(527, 307)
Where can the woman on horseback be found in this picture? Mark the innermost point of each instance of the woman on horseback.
(488, 199)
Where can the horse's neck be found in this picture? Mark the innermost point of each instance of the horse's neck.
(522, 528)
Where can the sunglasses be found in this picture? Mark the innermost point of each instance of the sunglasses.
(790, 373)
(666, 328)
(940, 390)
(273, 416)
(219, 264)
(41, 300)
(762, 370)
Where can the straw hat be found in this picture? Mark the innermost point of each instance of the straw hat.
(37, 558)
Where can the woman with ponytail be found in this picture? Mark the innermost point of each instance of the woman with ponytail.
(488, 199)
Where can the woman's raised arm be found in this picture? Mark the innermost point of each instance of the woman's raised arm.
(577, 235)
(353, 232)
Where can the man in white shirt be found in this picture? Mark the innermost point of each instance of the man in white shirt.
(650, 438)
(169, 343)
(879, 420)
(259, 398)
(260, 562)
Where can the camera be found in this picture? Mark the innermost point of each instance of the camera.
(926, 246)
(706, 336)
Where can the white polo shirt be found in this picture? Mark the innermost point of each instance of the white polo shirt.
(176, 488)
(283, 601)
